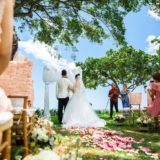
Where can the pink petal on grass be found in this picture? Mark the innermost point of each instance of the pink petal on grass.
(141, 140)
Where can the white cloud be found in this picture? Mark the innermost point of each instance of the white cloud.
(152, 47)
(154, 15)
(39, 50)
(49, 55)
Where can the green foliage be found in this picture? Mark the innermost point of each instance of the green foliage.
(123, 66)
(66, 21)
(40, 112)
(157, 42)
(154, 5)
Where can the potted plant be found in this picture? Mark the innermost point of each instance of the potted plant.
(144, 123)
(119, 118)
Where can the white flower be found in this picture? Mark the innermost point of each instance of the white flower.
(46, 155)
(145, 122)
(18, 157)
(48, 122)
(149, 120)
(42, 135)
(139, 120)
(35, 133)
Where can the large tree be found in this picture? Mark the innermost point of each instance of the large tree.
(67, 20)
(156, 41)
(123, 66)
(153, 5)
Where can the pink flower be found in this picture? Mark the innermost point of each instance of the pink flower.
(141, 140)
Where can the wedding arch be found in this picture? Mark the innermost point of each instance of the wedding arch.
(51, 73)
(53, 65)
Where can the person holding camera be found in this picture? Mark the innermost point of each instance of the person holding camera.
(154, 92)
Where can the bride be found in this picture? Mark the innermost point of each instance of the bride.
(78, 112)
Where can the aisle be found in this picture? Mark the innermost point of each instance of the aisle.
(112, 142)
(101, 144)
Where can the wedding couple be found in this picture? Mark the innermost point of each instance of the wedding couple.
(77, 110)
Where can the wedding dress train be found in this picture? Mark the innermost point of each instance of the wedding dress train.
(78, 112)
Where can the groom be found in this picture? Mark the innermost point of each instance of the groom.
(63, 87)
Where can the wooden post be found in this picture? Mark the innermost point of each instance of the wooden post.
(6, 144)
(7, 151)
(139, 111)
(24, 122)
(25, 126)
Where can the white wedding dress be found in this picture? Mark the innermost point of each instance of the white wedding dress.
(78, 112)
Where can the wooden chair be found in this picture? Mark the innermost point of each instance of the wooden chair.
(135, 101)
(5, 146)
(22, 124)
(127, 113)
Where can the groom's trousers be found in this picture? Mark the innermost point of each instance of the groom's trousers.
(62, 103)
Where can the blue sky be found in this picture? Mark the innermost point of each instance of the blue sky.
(139, 27)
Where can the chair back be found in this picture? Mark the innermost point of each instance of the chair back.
(135, 98)
(135, 101)
(22, 124)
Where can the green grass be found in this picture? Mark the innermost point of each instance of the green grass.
(151, 140)
(133, 131)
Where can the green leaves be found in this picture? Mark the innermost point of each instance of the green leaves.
(66, 21)
(123, 66)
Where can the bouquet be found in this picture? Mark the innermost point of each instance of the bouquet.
(42, 135)
(144, 121)
(119, 118)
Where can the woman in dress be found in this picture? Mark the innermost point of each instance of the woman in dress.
(78, 112)
(154, 91)
(125, 99)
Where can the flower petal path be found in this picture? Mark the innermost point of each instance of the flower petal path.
(109, 140)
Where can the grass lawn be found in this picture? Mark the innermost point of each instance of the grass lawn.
(149, 139)
(82, 143)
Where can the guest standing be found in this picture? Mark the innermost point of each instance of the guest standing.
(113, 95)
(125, 99)
(154, 91)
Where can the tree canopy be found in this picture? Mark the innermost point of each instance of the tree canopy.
(154, 5)
(123, 66)
(157, 42)
(67, 20)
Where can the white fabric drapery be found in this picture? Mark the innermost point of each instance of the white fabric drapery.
(46, 102)
(51, 73)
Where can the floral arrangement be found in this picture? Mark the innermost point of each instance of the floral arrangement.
(42, 135)
(43, 155)
(119, 118)
(44, 122)
(52, 155)
(144, 121)
(89, 141)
